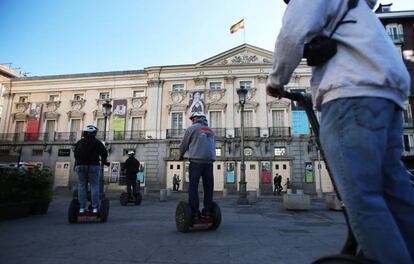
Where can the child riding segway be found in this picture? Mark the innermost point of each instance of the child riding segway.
(89, 151)
(131, 169)
(199, 142)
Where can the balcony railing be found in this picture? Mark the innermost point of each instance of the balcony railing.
(100, 135)
(37, 137)
(10, 137)
(249, 132)
(175, 133)
(129, 135)
(279, 132)
(65, 136)
(219, 132)
(397, 38)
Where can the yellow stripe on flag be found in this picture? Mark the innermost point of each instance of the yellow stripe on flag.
(237, 26)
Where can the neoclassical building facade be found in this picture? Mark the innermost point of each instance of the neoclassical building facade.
(43, 118)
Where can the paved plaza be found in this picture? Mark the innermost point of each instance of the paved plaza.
(261, 233)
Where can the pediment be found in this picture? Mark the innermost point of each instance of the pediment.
(241, 55)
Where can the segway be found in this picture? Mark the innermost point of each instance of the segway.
(125, 199)
(103, 212)
(185, 222)
(349, 253)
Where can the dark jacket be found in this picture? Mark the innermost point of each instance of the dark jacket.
(131, 166)
(88, 150)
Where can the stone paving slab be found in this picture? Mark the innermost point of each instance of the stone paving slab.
(260, 233)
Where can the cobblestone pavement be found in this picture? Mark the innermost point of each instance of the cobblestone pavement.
(260, 233)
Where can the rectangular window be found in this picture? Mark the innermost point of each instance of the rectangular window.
(50, 126)
(246, 84)
(276, 166)
(215, 85)
(19, 127)
(406, 143)
(176, 120)
(252, 166)
(78, 97)
(171, 167)
(177, 87)
(218, 167)
(215, 119)
(23, 99)
(104, 95)
(53, 98)
(278, 118)
(37, 152)
(248, 118)
(280, 151)
(284, 166)
(75, 125)
(218, 152)
(137, 124)
(178, 166)
(139, 93)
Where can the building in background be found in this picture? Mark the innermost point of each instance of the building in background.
(400, 27)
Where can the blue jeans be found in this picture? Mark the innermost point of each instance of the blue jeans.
(88, 173)
(362, 140)
(205, 170)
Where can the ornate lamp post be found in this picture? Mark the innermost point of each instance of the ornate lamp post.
(242, 92)
(106, 110)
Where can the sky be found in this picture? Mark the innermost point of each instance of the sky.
(52, 37)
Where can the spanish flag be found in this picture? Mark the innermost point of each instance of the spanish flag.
(236, 26)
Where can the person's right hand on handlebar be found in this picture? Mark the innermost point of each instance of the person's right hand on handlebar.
(275, 91)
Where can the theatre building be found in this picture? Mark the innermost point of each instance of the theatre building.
(43, 117)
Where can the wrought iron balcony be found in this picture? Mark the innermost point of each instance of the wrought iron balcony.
(11, 137)
(175, 133)
(37, 137)
(279, 132)
(65, 136)
(220, 132)
(249, 132)
(129, 135)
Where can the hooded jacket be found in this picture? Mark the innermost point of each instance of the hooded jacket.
(200, 142)
(366, 64)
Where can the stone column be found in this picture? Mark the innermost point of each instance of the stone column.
(7, 108)
(153, 124)
(230, 91)
(262, 114)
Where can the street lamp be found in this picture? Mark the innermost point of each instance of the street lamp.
(106, 110)
(242, 92)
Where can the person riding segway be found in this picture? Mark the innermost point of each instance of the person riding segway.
(89, 151)
(131, 167)
(200, 144)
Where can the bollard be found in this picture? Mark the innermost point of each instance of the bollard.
(252, 196)
(297, 201)
(168, 192)
(225, 192)
(145, 190)
(163, 195)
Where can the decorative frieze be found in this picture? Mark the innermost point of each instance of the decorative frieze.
(77, 104)
(137, 113)
(76, 114)
(52, 106)
(247, 106)
(138, 102)
(22, 107)
(216, 95)
(177, 96)
(216, 106)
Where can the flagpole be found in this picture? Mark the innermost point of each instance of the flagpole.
(244, 31)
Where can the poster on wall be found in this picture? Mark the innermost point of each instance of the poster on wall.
(141, 174)
(33, 123)
(265, 172)
(196, 102)
(118, 118)
(309, 172)
(300, 123)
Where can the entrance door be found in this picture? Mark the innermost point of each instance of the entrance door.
(283, 169)
(175, 168)
(252, 175)
(218, 175)
(62, 171)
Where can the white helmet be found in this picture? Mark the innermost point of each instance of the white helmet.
(90, 129)
(131, 152)
(197, 114)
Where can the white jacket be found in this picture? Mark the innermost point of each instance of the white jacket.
(366, 64)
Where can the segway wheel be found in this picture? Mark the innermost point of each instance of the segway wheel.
(124, 198)
(73, 211)
(343, 259)
(138, 199)
(216, 216)
(75, 194)
(104, 210)
(183, 217)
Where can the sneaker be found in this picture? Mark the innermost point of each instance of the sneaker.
(95, 210)
(81, 211)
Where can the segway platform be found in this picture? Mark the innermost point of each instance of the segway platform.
(185, 222)
(75, 217)
(124, 199)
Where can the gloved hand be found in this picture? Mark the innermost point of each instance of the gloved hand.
(106, 163)
(275, 91)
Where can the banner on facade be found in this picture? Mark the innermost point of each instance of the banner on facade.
(300, 123)
(309, 172)
(33, 123)
(265, 172)
(118, 118)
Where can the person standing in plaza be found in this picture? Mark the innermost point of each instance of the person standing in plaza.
(360, 88)
(132, 168)
(200, 143)
(88, 151)
(174, 183)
